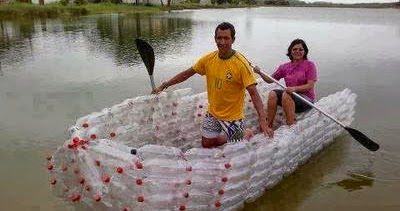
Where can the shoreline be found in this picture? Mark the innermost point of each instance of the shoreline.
(57, 10)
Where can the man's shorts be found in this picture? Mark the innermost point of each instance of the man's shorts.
(213, 127)
(300, 105)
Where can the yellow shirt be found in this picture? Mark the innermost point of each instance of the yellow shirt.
(227, 80)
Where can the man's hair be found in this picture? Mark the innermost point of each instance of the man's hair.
(295, 42)
(225, 26)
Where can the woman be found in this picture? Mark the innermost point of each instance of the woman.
(300, 75)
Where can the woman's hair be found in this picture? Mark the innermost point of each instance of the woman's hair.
(225, 26)
(295, 42)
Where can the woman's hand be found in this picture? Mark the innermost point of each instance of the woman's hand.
(290, 90)
(257, 69)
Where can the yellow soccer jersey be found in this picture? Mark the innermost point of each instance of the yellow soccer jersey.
(227, 80)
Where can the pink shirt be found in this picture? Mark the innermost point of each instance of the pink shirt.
(298, 74)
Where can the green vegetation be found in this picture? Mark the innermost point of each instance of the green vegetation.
(120, 8)
(72, 8)
(359, 5)
(81, 7)
(15, 10)
(24, 10)
(204, 6)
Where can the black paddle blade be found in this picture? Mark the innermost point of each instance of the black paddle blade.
(147, 54)
(363, 139)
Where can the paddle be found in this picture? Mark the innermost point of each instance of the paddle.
(147, 54)
(357, 135)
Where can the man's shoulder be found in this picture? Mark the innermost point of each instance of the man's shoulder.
(210, 54)
(241, 60)
(239, 56)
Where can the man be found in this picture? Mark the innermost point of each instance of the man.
(228, 74)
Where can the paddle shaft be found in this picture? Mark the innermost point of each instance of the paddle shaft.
(153, 86)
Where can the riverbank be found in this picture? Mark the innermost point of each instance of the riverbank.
(24, 10)
(360, 5)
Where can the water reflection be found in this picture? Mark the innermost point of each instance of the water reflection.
(115, 34)
(1, 70)
(111, 35)
(15, 40)
(357, 181)
(297, 187)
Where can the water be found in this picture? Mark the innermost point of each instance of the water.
(55, 71)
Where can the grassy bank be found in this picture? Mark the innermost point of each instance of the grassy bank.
(22, 10)
(360, 5)
(18, 10)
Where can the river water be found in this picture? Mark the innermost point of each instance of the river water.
(54, 71)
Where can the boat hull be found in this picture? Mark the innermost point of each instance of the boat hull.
(145, 154)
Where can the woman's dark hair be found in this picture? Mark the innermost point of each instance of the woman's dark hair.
(295, 42)
(225, 26)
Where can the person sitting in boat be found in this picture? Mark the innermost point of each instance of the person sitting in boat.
(228, 74)
(300, 75)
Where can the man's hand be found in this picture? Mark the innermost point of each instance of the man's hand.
(180, 77)
(265, 129)
(255, 97)
(159, 89)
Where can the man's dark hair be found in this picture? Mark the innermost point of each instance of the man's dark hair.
(225, 26)
(295, 42)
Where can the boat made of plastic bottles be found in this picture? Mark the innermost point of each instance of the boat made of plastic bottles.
(145, 154)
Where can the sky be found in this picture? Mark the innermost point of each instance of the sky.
(354, 1)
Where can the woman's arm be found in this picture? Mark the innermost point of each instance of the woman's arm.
(302, 88)
(265, 77)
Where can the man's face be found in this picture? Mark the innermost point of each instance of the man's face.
(224, 41)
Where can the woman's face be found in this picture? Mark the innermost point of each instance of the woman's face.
(297, 52)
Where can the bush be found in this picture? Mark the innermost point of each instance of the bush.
(64, 2)
(80, 2)
(250, 1)
(233, 1)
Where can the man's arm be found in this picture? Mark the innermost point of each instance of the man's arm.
(255, 97)
(180, 77)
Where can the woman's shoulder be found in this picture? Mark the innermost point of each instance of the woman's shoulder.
(285, 65)
(309, 62)
(309, 65)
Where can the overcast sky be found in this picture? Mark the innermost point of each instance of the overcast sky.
(354, 1)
